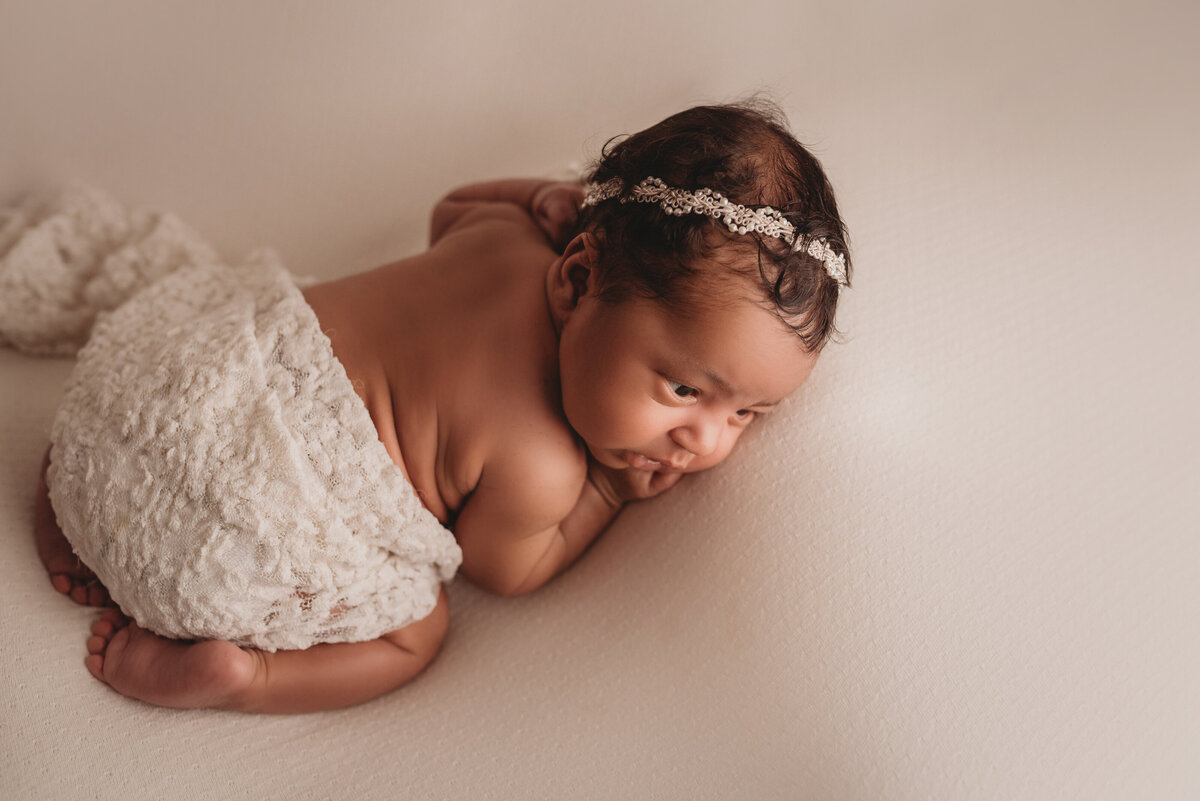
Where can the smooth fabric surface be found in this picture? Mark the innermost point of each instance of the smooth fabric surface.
(960, 564)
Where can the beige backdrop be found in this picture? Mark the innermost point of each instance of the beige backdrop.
(961, 564)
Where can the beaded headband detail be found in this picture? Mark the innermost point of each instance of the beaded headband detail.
(740, 219)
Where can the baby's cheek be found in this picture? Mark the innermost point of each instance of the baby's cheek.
(727, 447)
(711, 460)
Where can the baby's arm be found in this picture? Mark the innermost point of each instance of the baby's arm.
(605, 493)
(553, 205)
(526, 523)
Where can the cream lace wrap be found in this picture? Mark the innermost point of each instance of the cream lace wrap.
(211, 461)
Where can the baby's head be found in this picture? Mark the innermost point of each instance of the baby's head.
(745, 153)
(677, 330)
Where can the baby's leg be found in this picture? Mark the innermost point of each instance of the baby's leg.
(218, 674)
(69, 576)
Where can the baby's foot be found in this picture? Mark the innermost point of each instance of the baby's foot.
(68, 575)
(174, 673)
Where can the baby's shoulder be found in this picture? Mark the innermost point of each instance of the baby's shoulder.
(530, 482)
(537, 463)
(489, 252)
(498, 225)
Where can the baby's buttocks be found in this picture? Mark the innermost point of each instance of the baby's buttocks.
(214, 465)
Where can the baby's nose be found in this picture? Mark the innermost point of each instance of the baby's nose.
(699, 439)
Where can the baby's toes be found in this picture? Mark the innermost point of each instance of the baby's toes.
(68, 564)
(104, 629)
(115, 616)
(97, 644)
(106, 653)
(79, 593)
(115, 649)
(88, 592)
(97, 595)
(102, 633)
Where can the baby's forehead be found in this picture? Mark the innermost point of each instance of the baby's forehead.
(739, 314)
(718, 291)
(743, 349)
(735, 278)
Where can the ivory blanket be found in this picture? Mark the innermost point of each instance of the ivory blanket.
(211, 460)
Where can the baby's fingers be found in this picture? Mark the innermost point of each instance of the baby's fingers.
(556, 209)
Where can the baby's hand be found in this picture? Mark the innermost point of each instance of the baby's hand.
(618, 487)
(555, 209)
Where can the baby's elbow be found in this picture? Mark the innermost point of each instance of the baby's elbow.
(526, 586)
(509, 581)
(507, 586)
(508, 590)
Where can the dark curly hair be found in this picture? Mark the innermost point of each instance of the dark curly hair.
(746, 152)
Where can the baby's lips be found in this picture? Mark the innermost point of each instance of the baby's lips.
(639, 461)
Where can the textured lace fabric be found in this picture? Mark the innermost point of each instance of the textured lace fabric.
(212, 463)
(83, 254)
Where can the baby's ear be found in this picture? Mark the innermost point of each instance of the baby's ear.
(573, 275)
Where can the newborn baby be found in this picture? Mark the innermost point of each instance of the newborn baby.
(539, 366)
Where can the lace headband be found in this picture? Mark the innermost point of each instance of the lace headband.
(740, 219)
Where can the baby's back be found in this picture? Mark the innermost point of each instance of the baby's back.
(454, 353)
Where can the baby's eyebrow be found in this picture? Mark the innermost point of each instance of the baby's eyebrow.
(714, 377)
(726, 389)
